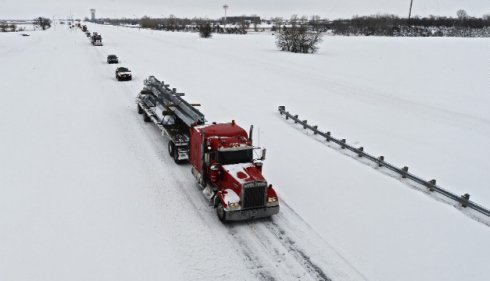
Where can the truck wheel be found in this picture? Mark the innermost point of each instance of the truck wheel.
(171, 149)
(140, 110)
(146, 118)
(173, 153)
(176, 158)
(220, 211)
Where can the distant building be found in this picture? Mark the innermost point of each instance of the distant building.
(92, 14)
(237, 20)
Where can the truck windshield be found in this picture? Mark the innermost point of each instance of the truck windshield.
(235, 157)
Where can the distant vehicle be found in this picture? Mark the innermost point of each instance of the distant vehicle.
(96, 39)
(123, 73)
(112, 59)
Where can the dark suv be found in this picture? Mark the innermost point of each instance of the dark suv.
(122, 73)
(112, 59)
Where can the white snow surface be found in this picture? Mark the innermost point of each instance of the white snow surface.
(87, 190)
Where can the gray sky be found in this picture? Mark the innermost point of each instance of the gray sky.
(20, 9)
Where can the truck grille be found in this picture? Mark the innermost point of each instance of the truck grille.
(254, 195)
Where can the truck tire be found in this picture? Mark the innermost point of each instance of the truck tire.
(171, 149)
(220, 211)
(176, 158)
(146, 118)
(140, 110)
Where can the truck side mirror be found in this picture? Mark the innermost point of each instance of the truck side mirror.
(262, 158)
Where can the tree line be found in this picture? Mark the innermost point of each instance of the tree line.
(39, 22)
(392, 25)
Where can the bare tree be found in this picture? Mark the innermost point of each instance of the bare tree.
(462, 14)
(255, 22)
(205, 30)
(243, 25)
(315, 22)
(298, 39)
(294, 20)
(278, 22)
(43, 23)
(147, 22)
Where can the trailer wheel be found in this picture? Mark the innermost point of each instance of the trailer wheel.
(220, 211)
(146, 118)
(140, 110)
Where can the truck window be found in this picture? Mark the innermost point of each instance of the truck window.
(235, 157)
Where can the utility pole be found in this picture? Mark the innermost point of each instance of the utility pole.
(410, 11)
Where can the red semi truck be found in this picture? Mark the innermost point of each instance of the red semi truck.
(224, 161)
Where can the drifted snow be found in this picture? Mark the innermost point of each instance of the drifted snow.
(87, 186)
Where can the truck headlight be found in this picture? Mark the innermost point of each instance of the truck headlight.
(271, 199)
(234, 205)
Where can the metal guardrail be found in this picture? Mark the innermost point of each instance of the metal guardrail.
(464, 200)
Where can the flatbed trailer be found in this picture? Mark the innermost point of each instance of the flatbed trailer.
(171, 114)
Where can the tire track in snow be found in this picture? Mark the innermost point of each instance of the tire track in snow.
(263, 244)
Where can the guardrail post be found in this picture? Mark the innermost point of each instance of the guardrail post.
(304, 124)
(405, 171)
(315, 130)
(381, 159)
(295, 119)
(282, 109)
(361, 150)
(343, 141)
(328, 136)
(464, 199)
(431, 184)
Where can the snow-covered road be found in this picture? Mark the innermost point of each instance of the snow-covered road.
(89, 193)
(87, 190)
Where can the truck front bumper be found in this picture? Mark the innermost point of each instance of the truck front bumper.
(251, 213)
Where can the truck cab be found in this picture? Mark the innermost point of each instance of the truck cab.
(223, 162)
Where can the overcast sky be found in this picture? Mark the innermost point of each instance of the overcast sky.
(26, 9)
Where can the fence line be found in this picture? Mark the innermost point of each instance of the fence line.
(464, 199)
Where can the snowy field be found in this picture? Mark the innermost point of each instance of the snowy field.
(87, 190)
